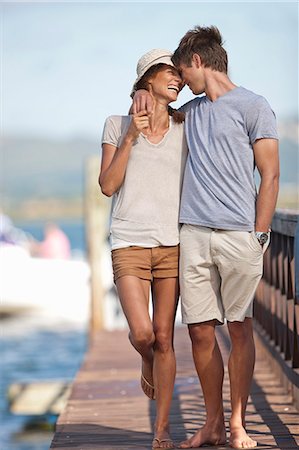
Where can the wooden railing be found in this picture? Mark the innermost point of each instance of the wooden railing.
(276, 308)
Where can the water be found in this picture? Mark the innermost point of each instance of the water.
(31, 351)
(34, 349)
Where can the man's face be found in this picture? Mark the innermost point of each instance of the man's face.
(193, 77)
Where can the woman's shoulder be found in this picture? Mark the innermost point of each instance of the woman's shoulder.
(117, 124)
(118, 120)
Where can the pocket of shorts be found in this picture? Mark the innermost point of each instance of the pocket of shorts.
(257, 245)
(266, 245)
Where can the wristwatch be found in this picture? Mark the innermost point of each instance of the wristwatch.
(261, 236)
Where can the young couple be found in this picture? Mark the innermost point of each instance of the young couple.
(224, 223)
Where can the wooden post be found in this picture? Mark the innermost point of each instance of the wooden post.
(97, 208)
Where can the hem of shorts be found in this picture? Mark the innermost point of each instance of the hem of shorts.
(201, 320)
(130, 273)
(167, 274)
(231, 227)
(247, 316)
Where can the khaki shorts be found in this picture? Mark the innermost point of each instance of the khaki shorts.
(219, 273)
(146, 263)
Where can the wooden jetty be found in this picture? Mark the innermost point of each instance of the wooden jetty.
(107, 409)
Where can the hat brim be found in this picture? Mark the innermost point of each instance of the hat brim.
(160, 60)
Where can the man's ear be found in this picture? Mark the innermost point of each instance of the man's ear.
(197, 60)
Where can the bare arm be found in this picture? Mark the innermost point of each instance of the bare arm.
(267, 162)
(142, 101)
(115, 160)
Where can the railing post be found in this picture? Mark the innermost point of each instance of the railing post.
(296, 289)
(278, 325)
(97, 208)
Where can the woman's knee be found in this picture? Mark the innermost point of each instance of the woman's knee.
(142, 337)
(163, 341)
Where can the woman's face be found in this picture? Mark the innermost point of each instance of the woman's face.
(166, 84)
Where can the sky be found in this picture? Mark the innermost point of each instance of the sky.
(66, 66)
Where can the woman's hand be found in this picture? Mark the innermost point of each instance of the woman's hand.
(115, 160)
(139, 123)
(142, 101)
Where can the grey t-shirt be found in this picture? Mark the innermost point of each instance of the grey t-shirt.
(219, 188)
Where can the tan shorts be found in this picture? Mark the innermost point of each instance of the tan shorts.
(146, 263)
(219, 273)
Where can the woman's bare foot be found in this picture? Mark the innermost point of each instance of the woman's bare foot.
(206, 435)
(240, 439)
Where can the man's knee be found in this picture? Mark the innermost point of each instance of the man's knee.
(241, 332)
(203, 335)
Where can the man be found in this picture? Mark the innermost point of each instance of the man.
(225, 224)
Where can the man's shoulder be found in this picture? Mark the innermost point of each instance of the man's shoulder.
(251, 97)
(192, 104)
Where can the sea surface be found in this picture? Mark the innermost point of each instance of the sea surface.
(34, 350)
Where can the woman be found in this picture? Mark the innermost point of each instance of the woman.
(143, 161)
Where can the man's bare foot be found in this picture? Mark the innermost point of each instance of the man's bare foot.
(206, 435)
(162, 440)
(240, 439)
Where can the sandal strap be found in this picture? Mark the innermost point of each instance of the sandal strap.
(146, 382)
(160, 441)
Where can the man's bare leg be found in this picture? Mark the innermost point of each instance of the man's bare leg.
(240, 366)
(209, 365)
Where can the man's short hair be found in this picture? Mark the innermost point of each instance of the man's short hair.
(207, 43)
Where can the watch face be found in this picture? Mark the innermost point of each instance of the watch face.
(263, 238)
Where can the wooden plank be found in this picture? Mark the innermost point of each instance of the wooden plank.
(38, 398)
(107, 409)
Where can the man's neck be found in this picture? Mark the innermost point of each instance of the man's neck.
(217, 84)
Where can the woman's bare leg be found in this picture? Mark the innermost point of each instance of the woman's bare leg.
(165, 298)
(134, 297)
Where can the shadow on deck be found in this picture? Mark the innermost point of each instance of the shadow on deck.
(107, 409)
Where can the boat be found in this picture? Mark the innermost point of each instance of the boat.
(55, 288)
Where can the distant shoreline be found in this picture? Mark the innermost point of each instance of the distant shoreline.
(36, 209)
(46, 209)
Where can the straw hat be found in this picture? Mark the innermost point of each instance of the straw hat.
(151, 58)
